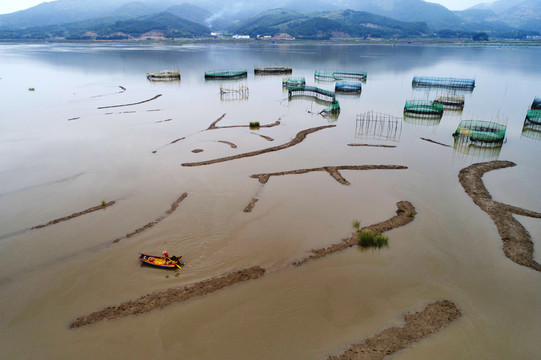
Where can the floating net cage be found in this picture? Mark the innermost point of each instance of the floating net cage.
(348, 87)
(534, 116)
(272, 70)
(531, 131)
(444, 82)
(536, 104)
(481, 132)
(451, 101)
(226, 74)
(317, 93)
(240, 93)
(331, 75)
(164, 75)
(378, 126)
(293, 81)
(466, 149)
(423, 109)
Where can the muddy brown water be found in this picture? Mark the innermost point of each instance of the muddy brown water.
(51, 167)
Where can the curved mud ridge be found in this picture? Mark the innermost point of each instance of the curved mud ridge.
(298, 139)
(233, 146)
(74, 215)
(404, 215)
(435, 142)
(517, 243)
(417, 326)
(214, 127)
(137, 103)
(370, 145)
(170, 296)
(174, 206)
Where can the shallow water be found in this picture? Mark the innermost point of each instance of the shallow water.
(51, 167)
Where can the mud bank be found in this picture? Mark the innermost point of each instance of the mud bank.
(233, 146)
(132, 104)
(417, 326)
(174, 206)
(370, 145)
(435, 142)
(214, 127)
(404, 215)
(74, 215)
(167, 297)
(334, 171)
(517, 242)
(297, 140)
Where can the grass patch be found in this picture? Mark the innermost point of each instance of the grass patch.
(356, 224)
(254, 124)
(411, 214)
(103, 203)
(368, 239)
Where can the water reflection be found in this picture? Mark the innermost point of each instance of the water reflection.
(422, 120)
(465, 149)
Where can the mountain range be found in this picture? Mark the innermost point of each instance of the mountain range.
(311, 19)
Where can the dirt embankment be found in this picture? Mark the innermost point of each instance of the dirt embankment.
(435, 142)
(132, 104)
(297, 140)
(334, 171)
(517, 243)
(161, 299)
(417, 326)
(404, 215)
(74, 215)
(214, 127)
(174, 206)
(370, 145)
(232, 145)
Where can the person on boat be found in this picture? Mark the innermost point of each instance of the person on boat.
(165, 253)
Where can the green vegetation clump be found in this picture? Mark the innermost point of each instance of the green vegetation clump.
(254, 124)
(368, 239)
(356, 224)
(411, 214)
(103, 203)
(31, 89)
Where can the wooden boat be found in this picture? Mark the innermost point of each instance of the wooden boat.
(162, 261)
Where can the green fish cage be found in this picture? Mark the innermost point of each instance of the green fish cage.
(534, 116)
(348, 87)
(536, 104)
(317, 93)
(226, 74)
(331, 75)
(481, 131)
(293, 81)
(444, 82)
(423, 108)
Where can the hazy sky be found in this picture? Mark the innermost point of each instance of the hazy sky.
(8, 6)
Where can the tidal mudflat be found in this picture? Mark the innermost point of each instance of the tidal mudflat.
(278, 274)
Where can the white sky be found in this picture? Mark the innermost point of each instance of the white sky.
(9, 6)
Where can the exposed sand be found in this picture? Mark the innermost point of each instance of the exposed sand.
(161, 299)
(251, 205)
(268, 138)
(435, 142)
(517, 243)
(370, 145)
(298, 139)
(417, 326)
(197, 151)
(137, 103)
(74, 215)
(174, 206)
(404, 215)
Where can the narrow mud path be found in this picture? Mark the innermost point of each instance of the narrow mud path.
(74, 215)
(517, 242)
(417, 326)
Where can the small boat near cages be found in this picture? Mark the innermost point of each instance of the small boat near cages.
(164, 262)
(451, 101)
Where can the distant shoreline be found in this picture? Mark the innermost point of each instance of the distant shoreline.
(352, 41)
